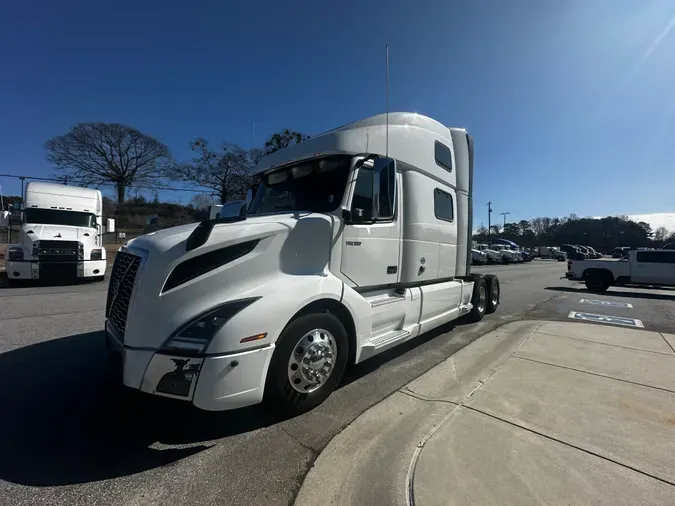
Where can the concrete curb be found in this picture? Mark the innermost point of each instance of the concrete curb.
(533, 412)
(387, 439)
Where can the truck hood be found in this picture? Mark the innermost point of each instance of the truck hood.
(172, 240)
(289, 244)
(57, 232)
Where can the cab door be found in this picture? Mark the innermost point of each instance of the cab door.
(371, 248)
(655, 267)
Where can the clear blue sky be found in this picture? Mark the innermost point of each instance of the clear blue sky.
(571, 104)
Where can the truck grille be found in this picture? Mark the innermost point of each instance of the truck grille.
(58, 251)
(120, 289)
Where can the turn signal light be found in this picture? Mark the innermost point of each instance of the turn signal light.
(257, 337)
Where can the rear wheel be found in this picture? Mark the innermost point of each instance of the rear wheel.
(493, 293)
(596, 282)
(307, 364)
(478, 300)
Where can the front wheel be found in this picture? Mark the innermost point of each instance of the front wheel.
(307, 364)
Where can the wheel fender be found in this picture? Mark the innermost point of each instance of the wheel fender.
(594, 270)
(274, 310)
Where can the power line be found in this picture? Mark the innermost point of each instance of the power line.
(111, 184)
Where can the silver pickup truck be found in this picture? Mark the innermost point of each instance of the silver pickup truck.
(647, 267)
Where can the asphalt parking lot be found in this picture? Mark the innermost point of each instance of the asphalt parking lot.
(67, 441)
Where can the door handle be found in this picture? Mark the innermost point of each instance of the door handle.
(392, 269)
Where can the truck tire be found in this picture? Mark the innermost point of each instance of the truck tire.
(493, 293)
(308, 362)
(478, 300)
(596, 282)
(560, 258)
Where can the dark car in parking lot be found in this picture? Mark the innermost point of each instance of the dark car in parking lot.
(573, 253)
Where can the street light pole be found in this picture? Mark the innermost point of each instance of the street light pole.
(504, 215)
(489, 204)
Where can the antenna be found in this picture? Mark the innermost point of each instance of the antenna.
(386, 95)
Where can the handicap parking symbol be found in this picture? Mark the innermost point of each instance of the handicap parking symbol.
(611, 320)
(611, 303)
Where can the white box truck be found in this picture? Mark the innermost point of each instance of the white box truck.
(60, 234)
(350, 246)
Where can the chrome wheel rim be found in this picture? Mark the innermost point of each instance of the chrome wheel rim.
(482, 298)
(312, 361)
(494, 294)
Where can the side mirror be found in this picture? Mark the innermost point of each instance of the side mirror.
(110, 225)
(242, 211)
(384, 188)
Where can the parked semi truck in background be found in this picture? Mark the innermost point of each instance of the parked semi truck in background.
(60, 234)
(350, 246)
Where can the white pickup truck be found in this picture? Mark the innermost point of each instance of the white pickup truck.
(650, 267)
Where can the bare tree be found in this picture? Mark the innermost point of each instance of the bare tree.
(201, 202)
(283, 139)
(103, 153)
(227, 172)
(538, 226)
(661, 234)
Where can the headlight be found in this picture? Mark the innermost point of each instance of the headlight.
(80, 251)
(97, 254)
(194, 337)
(15, 254)
(36, 249)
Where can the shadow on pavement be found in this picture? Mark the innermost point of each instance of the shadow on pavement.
(611, 293)
(6, 283)
(63, 425)
(355, 372)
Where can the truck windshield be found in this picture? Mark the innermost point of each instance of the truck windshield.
(60, 217)
(312, 186)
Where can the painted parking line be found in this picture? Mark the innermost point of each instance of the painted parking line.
(605, 303)
(611, 320)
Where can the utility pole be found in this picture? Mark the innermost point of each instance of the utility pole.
(489, 204)
(504, 215)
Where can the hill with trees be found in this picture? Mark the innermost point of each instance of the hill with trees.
(603, 234)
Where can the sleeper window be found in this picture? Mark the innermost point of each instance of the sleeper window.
(443, 156)
(443, 206)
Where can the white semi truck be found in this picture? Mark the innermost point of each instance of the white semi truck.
(60, 234)
(350, 246)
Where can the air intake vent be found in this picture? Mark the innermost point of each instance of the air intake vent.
(195, 267)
